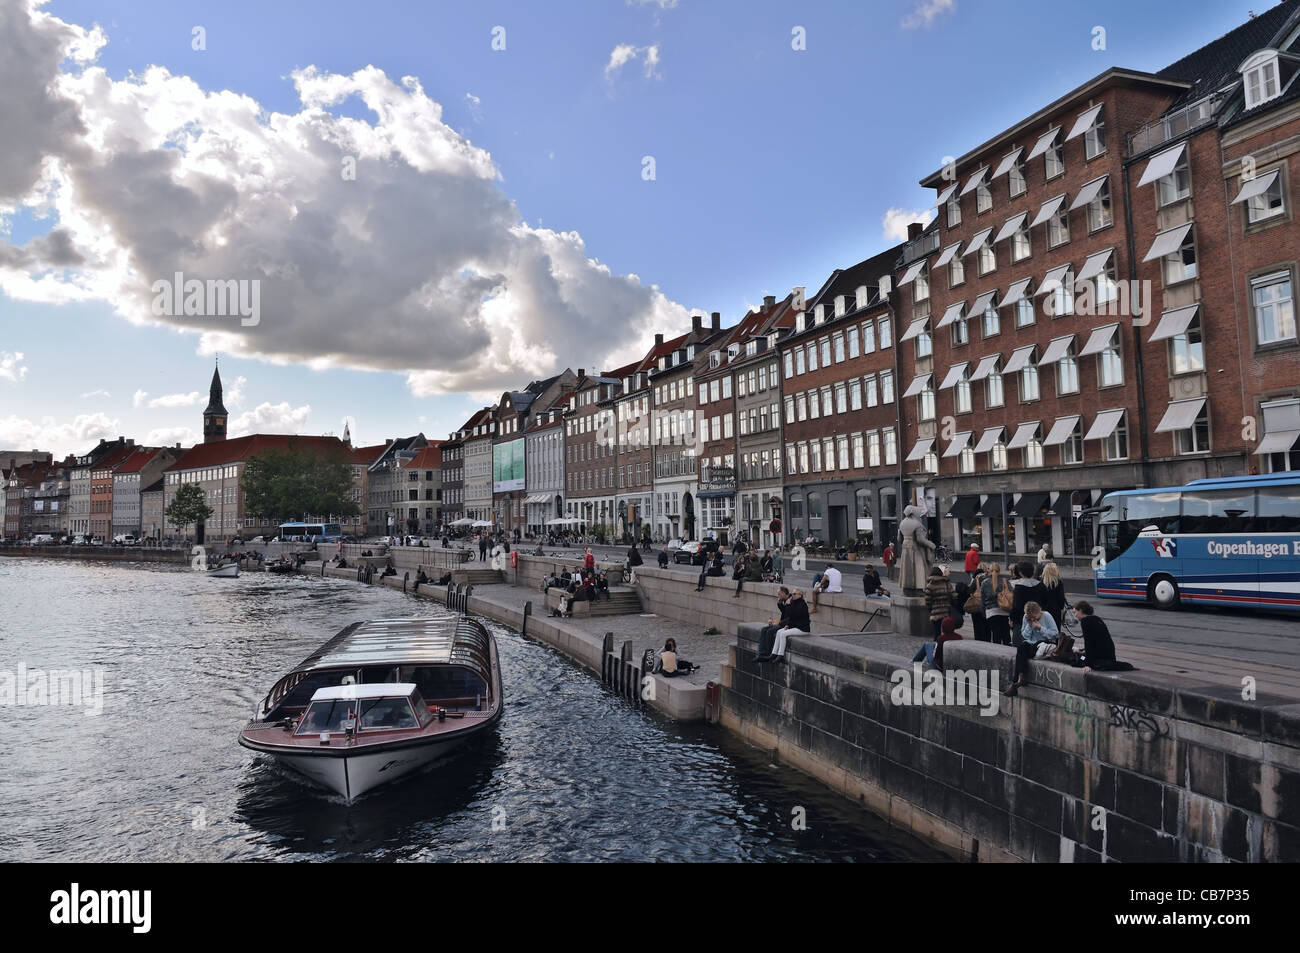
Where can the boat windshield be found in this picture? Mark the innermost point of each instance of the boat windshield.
(386, 714)
(328, 715)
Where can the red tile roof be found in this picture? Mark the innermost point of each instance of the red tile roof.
(368, 455)
(241, 448)
(430, 458)
(138, 460)
(651, 360)
(111, 460)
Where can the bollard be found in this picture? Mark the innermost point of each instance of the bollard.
(528, 610)
(406, 577)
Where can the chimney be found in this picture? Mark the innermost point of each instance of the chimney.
(914, 229)
(659, 339)
(717, 321)
(769, 301)
(697, 321)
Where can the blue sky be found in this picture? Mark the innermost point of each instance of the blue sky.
(773, 166)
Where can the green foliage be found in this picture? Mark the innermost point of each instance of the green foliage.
(286, 485)
(188, 506)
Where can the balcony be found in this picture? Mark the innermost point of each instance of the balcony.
(920, 247)
(1174, 124)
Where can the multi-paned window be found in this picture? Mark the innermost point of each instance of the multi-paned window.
(1058, 227)
(956, 271)
(961, 396)
(988, 258)
(1029, 381)
(1034, 453)
(992, 320)
(1181, 264)
(1054, 157)
(1100, 214)
(921, 285)
(1072, 448)
(993, 392)
(1016, 178)
(1115, 446)
(983, 198)
(924, 344)
(1067, 372)
(1268, 204)
(885, 332)
(1186, 353)
(1094, 140)
(954, 210)
(1021, 248)
(1274, 307)
(1196, 438)
(925, 404)
(1025, 311)
(1175, 186)
(998, 456)
(960, 331)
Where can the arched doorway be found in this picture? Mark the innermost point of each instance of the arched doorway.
(688, 516)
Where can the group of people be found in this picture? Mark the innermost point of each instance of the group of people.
(584, 584)
(792, 619)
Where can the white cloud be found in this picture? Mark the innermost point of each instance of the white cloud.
(661, 4)
(96, 393)
(925, 12)
(60, 438)
(234, 395)
(192, 399)
(152, 174)
(12, 367)
(626, 53)
(474, 105)
(652, 62)
(139, 398)
(271, 418)
(896, 220)
(167, 436)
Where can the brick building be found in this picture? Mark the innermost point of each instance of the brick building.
(635, 498)
(591, 451)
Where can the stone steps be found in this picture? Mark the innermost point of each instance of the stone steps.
(477, 577)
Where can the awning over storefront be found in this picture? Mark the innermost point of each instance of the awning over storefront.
(537, 498)
(1028, 504)
(963, 507)
(1180, 415)
(715, 494)
(992, 506)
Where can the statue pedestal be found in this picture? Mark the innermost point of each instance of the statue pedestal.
(910, 615)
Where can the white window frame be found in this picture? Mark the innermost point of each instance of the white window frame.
(1265, 281)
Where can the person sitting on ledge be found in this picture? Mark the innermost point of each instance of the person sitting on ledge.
(871, 586)
(828, 581)
(1098, 646)
(670, 666)
(767, 636)
(1036, 629)
(562, 610)
(419, 578)
(445, 579)
(932, 652)
(602, 585)
(796, 623)
(765, 565)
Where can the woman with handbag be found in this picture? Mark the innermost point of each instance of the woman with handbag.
(974, 605)
(938, 598)
(998, 599)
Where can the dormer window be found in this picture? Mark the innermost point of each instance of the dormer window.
(1261, 77)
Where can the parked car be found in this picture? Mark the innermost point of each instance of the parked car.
(42, 539)
(80, 540)
(690, 552)
(125, 539)
(674, 544)
(258, 540)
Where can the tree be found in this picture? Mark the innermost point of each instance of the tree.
(188, 506)
(284, 485)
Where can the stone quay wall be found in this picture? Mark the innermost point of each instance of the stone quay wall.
(1075, 768)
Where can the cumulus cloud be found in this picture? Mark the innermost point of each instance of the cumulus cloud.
(192, 399)
(167, 436)
(925, 12)
(12, 368)
(271, 418)
(59, 437)
(626, 53)
(234, 392)
(896, 220)
(139, 398)
(96, 393)
(418, 264)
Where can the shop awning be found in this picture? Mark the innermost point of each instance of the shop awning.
(1104, 425)
(1180, 415)
(1094, 265)
(1162, 164)
(1010, 227)
(985, 367)
(1028, 504)
(1044, 142)
(1024, 433)
(978, 241)
(1062, 505)
(975, 181)
(537, 498)
(1050, 208)
(1168, 242)
(1020, 359)
(1053, 279)
(1007, 162)
(1099, 339)
(1086, 121)
(1175, 322)
(1088, 192)
(913, 330)
(921, 449)
(910, 275)
(1281, 426)
(946, 255)
(963, 508)
(1056, 349)
(1256, 187)
(945, 195)
(919, 383)
(959, 443)
(1061, 430)
(988, 439)
(951, 315)
(1016, 292)
(955, 373)
(992, 506)
(981, 304)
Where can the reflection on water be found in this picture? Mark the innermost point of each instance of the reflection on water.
(571, 772)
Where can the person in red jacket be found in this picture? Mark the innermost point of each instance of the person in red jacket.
(932, 652)
(588, 560)
(972, 559)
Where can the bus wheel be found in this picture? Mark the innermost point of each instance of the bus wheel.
(1163, 591)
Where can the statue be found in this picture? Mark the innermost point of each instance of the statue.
(915, 551)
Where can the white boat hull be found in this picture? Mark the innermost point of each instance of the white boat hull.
(225, 572)
(352, 775)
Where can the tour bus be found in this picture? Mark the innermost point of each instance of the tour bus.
(1233, 541)
(311, 532)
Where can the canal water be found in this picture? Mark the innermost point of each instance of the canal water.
(571, 773)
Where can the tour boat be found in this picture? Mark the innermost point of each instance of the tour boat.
(229, 571)
(379, 701)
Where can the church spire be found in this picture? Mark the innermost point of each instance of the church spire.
(215, 416)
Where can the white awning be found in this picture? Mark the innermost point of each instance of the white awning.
(538, 498)
(951, 315)
(1024, 434)
(985, 367)
(1050, 208)
(955, 373)
(919, 383)
(944, 195)
(974, 181)
(913, 329)
(1005, 165)
(1175, 322)
(1281, 426)
(921, 449)
(1019, 360)
(1168, 242)
(1162, 164)
(981, 304)
(1088, 192)
(1061, 430)
(1044, 143)
(1094, 265)
(1056, 350)
(991, 436)
(1180, 415)
(911, 273)
(1053, 279)
(1104, 425)
(978, 241)
(959, 443)
(1010, 227)
(1255, 187)
(1099, 339)
(1085, 122)
(946, 255)
(1016, 292)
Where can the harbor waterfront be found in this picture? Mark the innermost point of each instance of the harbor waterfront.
(572, 773)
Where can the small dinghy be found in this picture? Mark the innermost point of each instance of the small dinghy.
(230, 571)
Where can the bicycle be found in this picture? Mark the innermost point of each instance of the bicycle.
(942, 554)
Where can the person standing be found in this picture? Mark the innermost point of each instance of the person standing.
(738, 574)
(996, 618)
(887, 557)
(588, 559)
(482, 548)
(972, 560)
(1026, 588)
(1053, 595)
(938, 598)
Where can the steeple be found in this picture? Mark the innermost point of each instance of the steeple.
(215, 417)
(347, 434)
